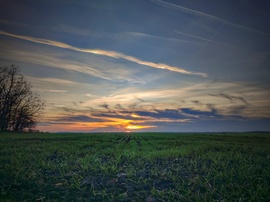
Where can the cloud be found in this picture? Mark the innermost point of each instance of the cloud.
(100, 4)
(132, 95)
(142, 100)
(107, 53)
(118, 106)
(47, 60)
(230, 97)
(51, 80)
(241, 84)
(205, 15)
(91, 66)
(237, 110)
(104, 106)
(210, 106)
(197, 102)
(55, 91)
(167, 39)
(207, 40)
(143, 115)
(201, 114)
(123, 119)
(77, 118)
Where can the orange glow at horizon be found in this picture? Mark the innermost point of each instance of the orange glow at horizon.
(137, 127)
(114, 124)
(133, 127)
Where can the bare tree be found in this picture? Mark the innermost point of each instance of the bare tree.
(20, 108)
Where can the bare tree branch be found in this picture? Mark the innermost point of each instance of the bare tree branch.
(20, 108)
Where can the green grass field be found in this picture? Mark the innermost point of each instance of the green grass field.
(135, 167)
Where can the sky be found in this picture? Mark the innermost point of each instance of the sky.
(143, 65)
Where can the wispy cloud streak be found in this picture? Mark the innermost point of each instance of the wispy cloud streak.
(205, 15)
(144, 35)
(207, 40)
(107, 53)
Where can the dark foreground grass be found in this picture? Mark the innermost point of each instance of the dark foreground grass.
(135, 167)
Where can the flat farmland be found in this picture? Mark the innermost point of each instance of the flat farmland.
(135, 167)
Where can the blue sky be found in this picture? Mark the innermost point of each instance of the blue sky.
(143, 65)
